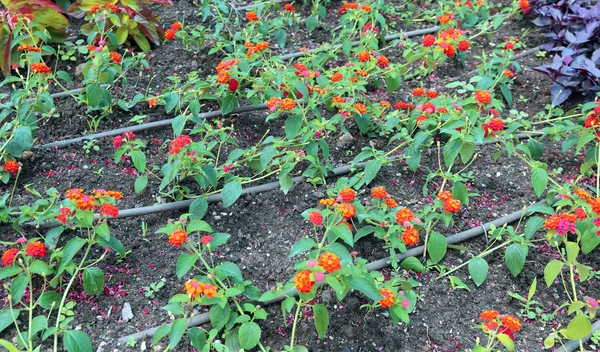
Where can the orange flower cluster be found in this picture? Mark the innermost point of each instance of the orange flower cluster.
(40, 68)
(115, 57)
(8, 257)
(178, 237)
(493, 320)
(88, 202)
(195, 288)
(336, 77)
(451, 205)
(388, 298)
(483, 97)
(251, 16)
(12, 166)
(226, 65)
(410, 236)
(404, 214)
(364, 56)
(379, 193)
(29, 48)
(391, 203)
(330, 262)
(347, 195)
(303, 282)
(348, 210)
(360, 108)
(448, 39)
(446, 18)
(252, 49)
(289, 7)
(328, 202)
(36, 249)
(110, 7)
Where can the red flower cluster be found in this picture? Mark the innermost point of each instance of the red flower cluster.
(260, 46)
(506, 324)
(251, 16)
(178, 237)
(36, 249)
(29, 48)
(40, 68)
(483, 97)
(493, 126)
(316, 218)
(115, 57)
(12, 166)
(125, 137)
(178, 143)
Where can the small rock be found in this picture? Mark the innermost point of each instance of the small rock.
(101, 347)
(126, 313)
(344, 140)
(143, 346)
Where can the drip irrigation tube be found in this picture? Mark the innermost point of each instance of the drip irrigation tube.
(204, 318)
(57, 95)
(387, 38)
(143, 127)
(251, 6)
(216, 113)
(159, 208)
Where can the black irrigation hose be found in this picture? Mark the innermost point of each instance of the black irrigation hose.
(387, 38)
(214, 198)
(251, 6)
(211, 114)
(57, 95)
(204, 318)
(143, 127)
(573, 345)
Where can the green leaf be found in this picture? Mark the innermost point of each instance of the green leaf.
(303, 245)
(437, 247)
(9, 346)
(451, 150)
(198, 209)
(292, 126)
(76, 341)
(22, 140)
(197, 338)
(286, 183)
(371, 170)
(93, 93)
(219, 316)
(230, 269)
(393, 80)
(280, 37)
(366, 286)
(412, 263)
(93, 281)
(266, 156)
(140, 183)
(515, 258)
(249, 335)
(572, 252)
(459, 191)
(228, 104)
(48, 298)
(506, 341)
(539, 180)
(139, 160)
(506, 93)
(311, 23)
(171, 101)
(9, 271)
(7, 317)
(231, 192)
(478, 269)
(41, 268)
(184, 263)
(321, 315)
(178, 124)
(17, 287)
(456, 283)
(177, 330)
(532, 226)
(579, 327)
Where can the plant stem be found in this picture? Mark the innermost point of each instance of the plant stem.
(64, 297)
(295, 323)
